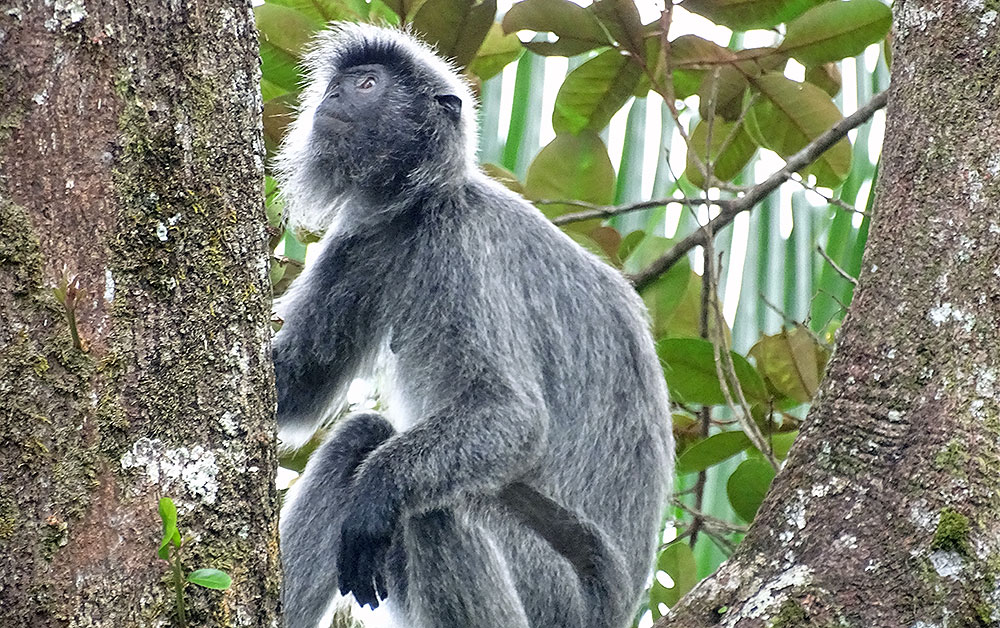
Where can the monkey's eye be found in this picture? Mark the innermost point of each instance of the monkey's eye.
(366, 82)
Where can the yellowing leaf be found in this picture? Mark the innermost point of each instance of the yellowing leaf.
(572, 167)
(791, 362)
(789, 115)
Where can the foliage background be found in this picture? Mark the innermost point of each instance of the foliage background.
(599, 108)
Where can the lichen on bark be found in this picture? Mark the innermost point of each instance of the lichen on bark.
(132, 163)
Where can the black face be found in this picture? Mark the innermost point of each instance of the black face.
(377, 124)
(354, 95)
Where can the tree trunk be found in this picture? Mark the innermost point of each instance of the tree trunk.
(888, 511)
(131, 169)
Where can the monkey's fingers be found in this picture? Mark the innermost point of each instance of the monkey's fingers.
(380, 588)
(364, 584)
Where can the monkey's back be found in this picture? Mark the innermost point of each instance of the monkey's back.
(566, 330)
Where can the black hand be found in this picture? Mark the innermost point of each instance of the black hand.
(365, 537)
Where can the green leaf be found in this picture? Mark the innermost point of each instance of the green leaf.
(210, 578)
(743, 15)
(320, 12)
(277, 272)
(792, 363)
(731, 150)
(789, 115)
(404, 8)
(711, 451)
(572, 167)
(685, 320)
(664, 297)
(748, 485)
(168, 515)
(497, 51)
(296, 459)
(576, 28)
(278, 113)
(826, 77)
(721, 93)
(278, 67)
(836, 30)
(274, 205)
(285, 28)
(782, 442)
(630, 242)
(678, 562)
(269, 90)
(666, 294)
(456, 28)
(689, 368)
(621, 18)
(594, 92)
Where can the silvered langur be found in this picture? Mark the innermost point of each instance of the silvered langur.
(518, 474)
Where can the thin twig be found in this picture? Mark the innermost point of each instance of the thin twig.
(725, 371)
(760, 191)
(836, 202)
(592, 211)
(840, 271)
(722, 524)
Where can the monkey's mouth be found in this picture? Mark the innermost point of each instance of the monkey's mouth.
(329, 121)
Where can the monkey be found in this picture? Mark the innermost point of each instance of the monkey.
(518, 472)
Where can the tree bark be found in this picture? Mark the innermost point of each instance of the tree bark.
(888, 510)
(131, 168)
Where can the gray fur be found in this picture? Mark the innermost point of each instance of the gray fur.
(522, 481)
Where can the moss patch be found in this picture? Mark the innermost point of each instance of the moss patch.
(790, 615)
(952, 534)
(953, 458)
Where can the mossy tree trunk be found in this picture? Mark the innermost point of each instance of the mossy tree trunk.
(888, 511)
(131, 169)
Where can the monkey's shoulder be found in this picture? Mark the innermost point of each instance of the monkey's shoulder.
(507, 221)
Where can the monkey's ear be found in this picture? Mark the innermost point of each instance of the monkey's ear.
(451, 103)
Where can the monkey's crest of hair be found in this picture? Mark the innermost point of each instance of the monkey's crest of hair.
(321, 175)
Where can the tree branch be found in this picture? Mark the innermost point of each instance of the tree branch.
(758, 192)
(606, 211)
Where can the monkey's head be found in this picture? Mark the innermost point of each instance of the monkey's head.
(381, 117)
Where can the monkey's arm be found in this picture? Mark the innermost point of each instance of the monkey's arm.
(484, 437)
(327, 334)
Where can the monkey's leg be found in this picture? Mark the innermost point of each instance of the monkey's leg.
(311, 520)
(457, 576)
(566, 569)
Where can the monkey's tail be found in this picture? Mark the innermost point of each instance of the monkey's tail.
(599, 566)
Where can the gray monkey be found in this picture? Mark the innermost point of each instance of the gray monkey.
(519, 475)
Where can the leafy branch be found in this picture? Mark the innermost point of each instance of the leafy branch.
(757, 193)
(170, 550)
